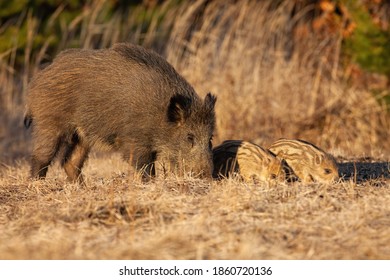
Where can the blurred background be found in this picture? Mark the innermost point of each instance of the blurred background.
(315, 70)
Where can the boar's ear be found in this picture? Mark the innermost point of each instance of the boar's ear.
(209, 101)
(179, 109)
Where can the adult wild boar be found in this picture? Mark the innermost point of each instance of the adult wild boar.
(127, 98)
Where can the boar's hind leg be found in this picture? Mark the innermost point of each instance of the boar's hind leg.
(75, 155)
(44, 150)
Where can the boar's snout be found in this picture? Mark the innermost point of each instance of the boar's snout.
(194, 168)
(198, 165)
(203, 168)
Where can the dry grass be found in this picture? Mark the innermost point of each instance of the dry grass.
(116, 218)
(269, 84)
(272, 82)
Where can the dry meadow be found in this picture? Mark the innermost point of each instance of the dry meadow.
(115, 217)
(271, 81)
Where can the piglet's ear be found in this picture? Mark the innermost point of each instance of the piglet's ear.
(179, 109)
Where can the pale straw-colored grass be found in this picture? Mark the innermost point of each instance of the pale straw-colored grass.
(116, 218)
(270, 83)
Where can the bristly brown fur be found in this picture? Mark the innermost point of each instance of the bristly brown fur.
(127, 98)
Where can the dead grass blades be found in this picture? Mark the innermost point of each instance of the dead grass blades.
(270, 82)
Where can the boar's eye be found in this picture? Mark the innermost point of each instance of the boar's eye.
(273, 176)
(327, 171)
(191, 139)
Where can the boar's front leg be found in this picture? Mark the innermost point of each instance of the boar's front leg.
(75, 155)
(143, 162)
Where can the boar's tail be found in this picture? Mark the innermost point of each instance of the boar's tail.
(28, 119)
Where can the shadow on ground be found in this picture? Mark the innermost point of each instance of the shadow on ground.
(361, 171)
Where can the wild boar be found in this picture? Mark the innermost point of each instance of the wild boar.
(126, 98)
(308, 162)
(250, 161)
